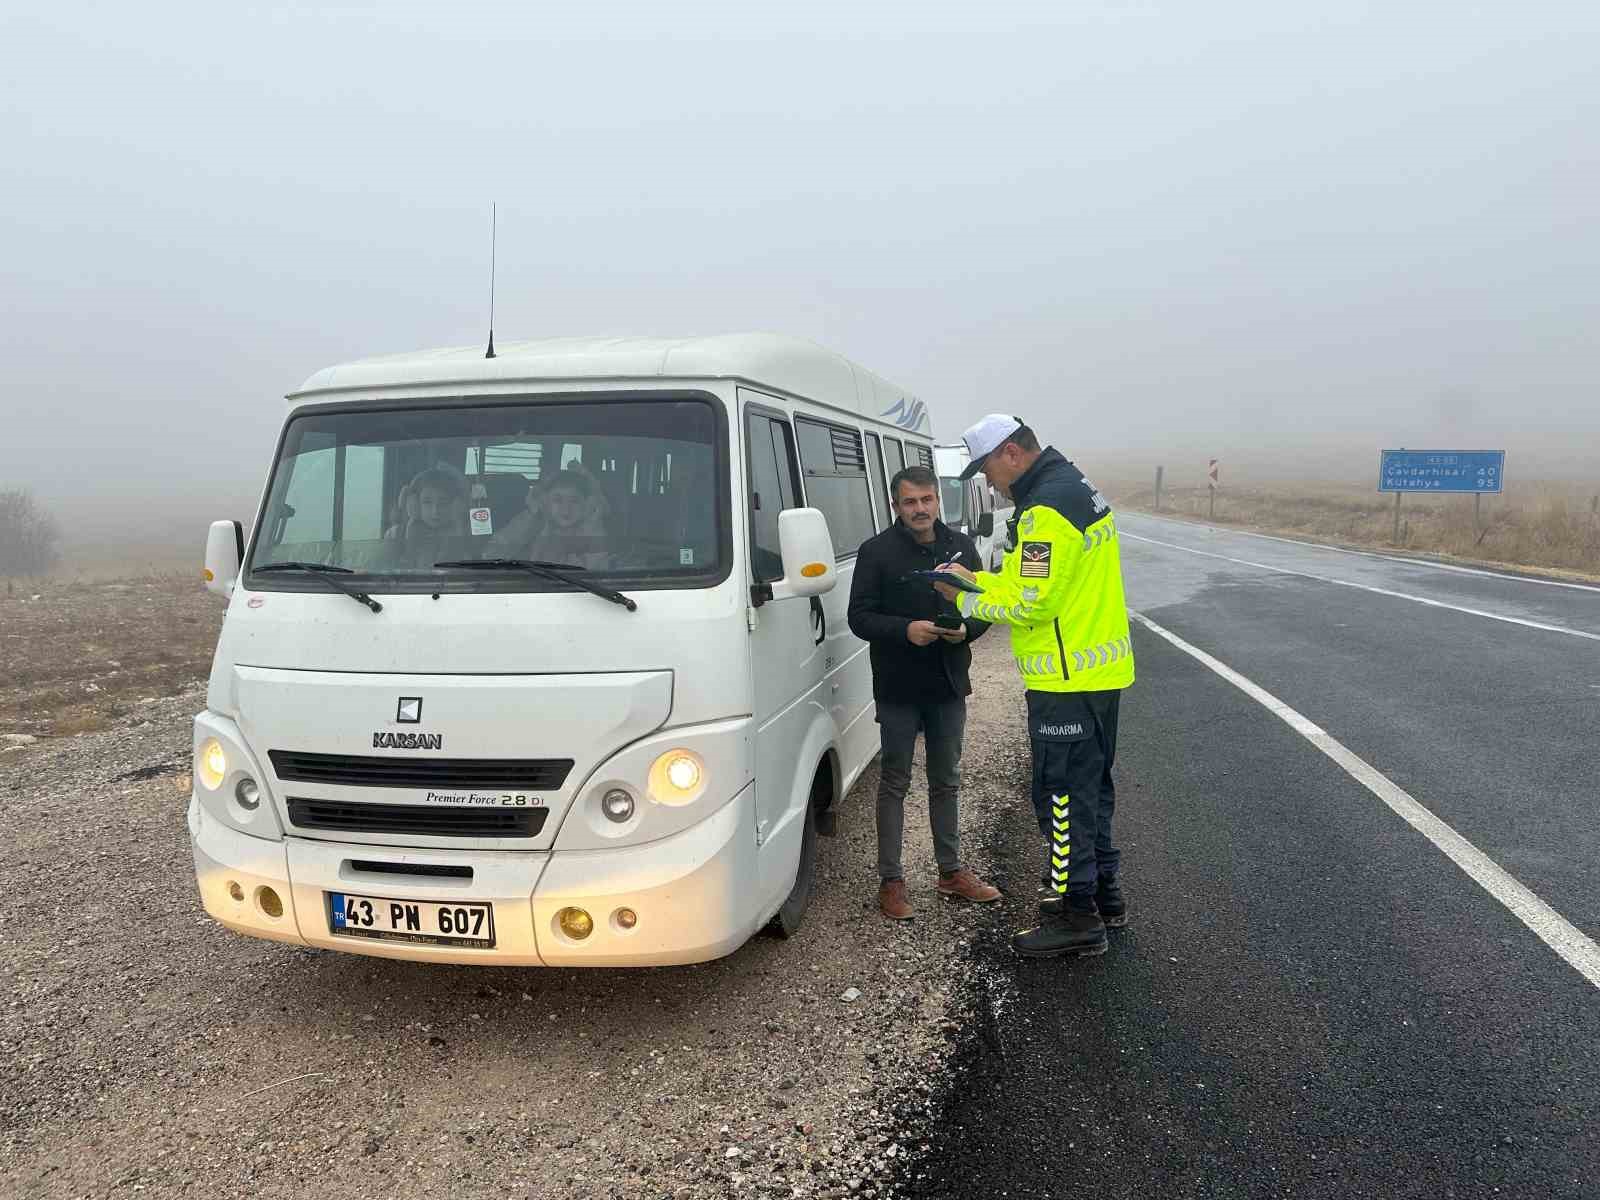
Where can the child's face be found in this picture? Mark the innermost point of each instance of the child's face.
(432, 504)
(566, 507)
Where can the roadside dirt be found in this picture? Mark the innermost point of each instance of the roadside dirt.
(149, 1051)
(80, 656)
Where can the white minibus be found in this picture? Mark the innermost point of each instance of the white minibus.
(542, 658)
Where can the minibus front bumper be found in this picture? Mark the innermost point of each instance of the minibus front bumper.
(683, 893)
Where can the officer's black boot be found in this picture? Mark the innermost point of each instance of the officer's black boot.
(1107, 898)
(1070, 931)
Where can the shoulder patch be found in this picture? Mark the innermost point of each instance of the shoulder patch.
(1035, 560)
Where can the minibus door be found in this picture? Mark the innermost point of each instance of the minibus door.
(786, 645)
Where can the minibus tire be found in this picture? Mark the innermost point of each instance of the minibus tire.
(786, 921)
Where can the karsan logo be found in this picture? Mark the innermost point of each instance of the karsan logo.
(408, 741)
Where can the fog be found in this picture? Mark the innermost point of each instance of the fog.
(1158, 231)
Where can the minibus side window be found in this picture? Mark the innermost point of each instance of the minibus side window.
(895, 456)
(875, 454)
(774, 486)
(835, 469)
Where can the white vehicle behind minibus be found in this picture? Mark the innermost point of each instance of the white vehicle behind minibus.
(543, 658)
(971, 505)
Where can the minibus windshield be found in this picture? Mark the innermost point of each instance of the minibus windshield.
(624, 488)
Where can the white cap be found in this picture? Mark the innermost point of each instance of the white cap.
(984, 438)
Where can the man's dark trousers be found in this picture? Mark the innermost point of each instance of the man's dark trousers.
(1074, 737)
(941, 723)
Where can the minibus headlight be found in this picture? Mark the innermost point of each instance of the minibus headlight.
(677, 777)
(211, 764)
(683, 772)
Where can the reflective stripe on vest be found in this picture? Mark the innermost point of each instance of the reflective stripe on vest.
(1036, 664)
(1099, 656)
(1100, 535)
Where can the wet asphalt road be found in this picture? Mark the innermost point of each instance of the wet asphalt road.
(1310, 999)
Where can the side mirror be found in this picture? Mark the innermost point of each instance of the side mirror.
(807, 548)
(224, 554)
(986, 524)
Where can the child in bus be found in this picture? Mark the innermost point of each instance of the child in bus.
(439, 496)
(564, 523)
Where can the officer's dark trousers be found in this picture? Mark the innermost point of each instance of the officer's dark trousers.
(1074, 740)
(941, 723)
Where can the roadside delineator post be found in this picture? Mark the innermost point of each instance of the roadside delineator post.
(1158, 488)
(1211, 483)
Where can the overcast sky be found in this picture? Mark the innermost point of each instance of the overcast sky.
(1224, 228)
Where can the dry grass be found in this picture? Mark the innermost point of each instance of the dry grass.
(1543, 525)
(79, 656)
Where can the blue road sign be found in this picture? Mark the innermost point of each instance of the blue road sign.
(1441, 470)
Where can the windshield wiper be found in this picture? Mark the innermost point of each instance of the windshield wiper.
(559, 572)
(324, 572)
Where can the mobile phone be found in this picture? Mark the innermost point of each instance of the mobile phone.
(947, 621)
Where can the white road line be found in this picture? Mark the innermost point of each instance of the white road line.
(1381, 557)
(1551, 927)
(1367, 587)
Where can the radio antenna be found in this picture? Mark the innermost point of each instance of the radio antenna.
(493, 230)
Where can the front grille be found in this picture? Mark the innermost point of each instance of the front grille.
(353, 770)
(436, 820)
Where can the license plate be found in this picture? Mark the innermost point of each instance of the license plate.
(388, 919)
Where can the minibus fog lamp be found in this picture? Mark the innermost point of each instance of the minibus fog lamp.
(617, 805)
(575, 923)
(247, 793)
(627, 918)
(270, 902)
(213, 764)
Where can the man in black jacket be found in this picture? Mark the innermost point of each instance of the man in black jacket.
(920, 659)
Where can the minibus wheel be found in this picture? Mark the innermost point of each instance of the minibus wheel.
(786, 922)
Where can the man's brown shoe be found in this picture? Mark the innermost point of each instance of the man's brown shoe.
(967, 886)
(892, 900)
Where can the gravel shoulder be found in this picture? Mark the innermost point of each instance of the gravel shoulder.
(148, 1050)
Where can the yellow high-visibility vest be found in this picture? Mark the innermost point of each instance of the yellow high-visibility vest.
(1060, 590)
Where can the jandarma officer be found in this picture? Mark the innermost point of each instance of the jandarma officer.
(1060, 590)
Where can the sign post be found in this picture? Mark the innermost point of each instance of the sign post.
(1456, 471)
(1211, 483)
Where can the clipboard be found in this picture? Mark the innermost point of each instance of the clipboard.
(959, 582)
